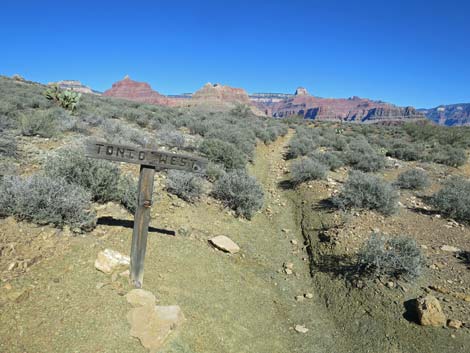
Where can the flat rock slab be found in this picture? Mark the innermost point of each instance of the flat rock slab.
(224, 243)
(153, 325)
(140, 297)
(109, 260)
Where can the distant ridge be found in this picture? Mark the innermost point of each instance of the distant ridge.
(449, 115)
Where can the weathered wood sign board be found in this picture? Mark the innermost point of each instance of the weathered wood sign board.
(149, 160)
(158, 159)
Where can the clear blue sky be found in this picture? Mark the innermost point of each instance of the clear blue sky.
(405, 52)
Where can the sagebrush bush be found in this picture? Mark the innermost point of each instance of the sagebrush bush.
(102, 179)
(214, 171)
(330, 159)
(40, 123)
(8, 147)
(186, 186)
(45, 200)
(413, 179)
(240, 192)
(453, 199)
(360, 155)
(367, 191)
(127, 192)
(398, 256)
(300, 146)
(169, 136)
(224, 153)
(306, 169)
(448, 155)
(407, 151)
(121, 133)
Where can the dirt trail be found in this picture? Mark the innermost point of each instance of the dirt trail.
(242, 303)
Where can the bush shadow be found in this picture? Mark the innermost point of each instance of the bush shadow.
(113, 222)
(342, 266)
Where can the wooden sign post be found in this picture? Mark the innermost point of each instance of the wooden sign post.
(150, 161)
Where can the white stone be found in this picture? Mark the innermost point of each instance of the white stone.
(109, 260)
(224, 243)
(449, 248)
(301, 328)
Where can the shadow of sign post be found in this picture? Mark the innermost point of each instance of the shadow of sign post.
(150, 161)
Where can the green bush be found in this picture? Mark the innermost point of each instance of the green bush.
(448, 155)
(127, 192)
(40, 123)
(413, 179)
(453, 199)
(300, 146)
(186, 186)
(45, 200)
(8, 147)
(407, 151)
(214, 171)
(102, 179)
(360, 155)
(240, 192)
(391, 256)
(307, 169)
(224, 153)
(366, 191)
(330, 159)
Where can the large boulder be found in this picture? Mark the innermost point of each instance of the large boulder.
(430, 312)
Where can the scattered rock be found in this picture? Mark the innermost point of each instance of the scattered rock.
(299, 298)
(455, 324)
(224, 243)
(390, 284)
(430, 312)
(110, 260)
(301, 329)
(99, 285)
(289, 265)
(140, 297)
(450, 248)
(308, 295)
(294, 242)
(288, 271)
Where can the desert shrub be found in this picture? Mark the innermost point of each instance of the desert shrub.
(330, 159)
(8, 146)
(306, 169)
(99, 177)
(240, 192)
(242, 139)
(367, 191)
(169, 136)
(224, 153)
(186, 186)
(121, 133)
(448, 155)
(406, 151)
(45, 200)
(413, 179)
(127, 192)
(41, 123)
(391, 256)
(300, 146)
(453, 199)
(360, 155)
(214, 171)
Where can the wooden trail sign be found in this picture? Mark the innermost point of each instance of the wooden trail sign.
(149, 160)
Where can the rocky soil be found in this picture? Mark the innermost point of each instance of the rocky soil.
(260, 298)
